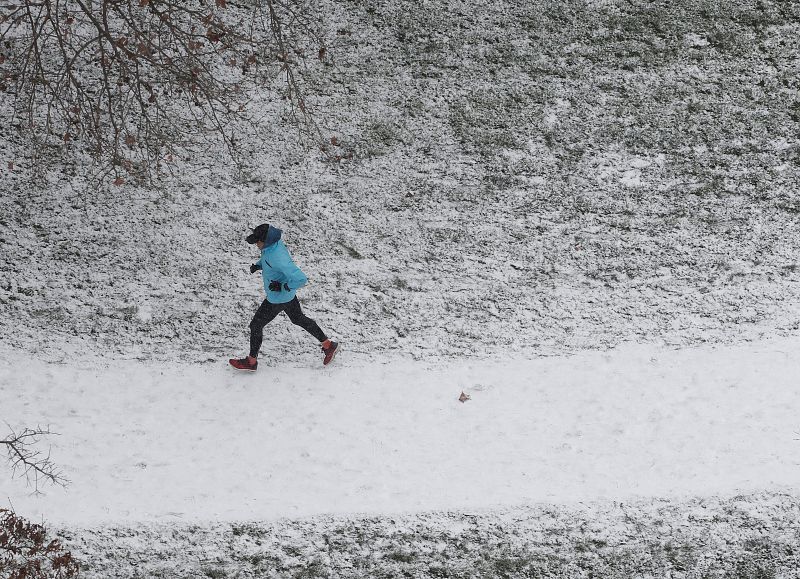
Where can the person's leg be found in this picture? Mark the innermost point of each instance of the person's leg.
(298, 318)
(264, 315)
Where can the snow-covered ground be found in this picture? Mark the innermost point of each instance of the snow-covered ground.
(144, 442)
(741, 537)
(583, 215)
(534, 178)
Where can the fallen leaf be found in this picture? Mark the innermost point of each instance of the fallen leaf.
(463, 398)
(119, 181)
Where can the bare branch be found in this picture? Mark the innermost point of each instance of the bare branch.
(26, 458)
(110, 77)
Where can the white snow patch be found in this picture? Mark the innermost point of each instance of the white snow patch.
(148, 443)
(144, 312)
(695, 40)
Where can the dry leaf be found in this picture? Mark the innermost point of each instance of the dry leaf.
(222, 4)
(463, 398)
(119, 181)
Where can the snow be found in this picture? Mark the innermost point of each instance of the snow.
(150, 443)
(582, 215)
(470, 150)
(742, 536)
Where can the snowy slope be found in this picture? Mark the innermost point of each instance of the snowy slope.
(526, 177)
(147, 442)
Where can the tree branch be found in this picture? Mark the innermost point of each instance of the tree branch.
(113, 74)
(34, 464)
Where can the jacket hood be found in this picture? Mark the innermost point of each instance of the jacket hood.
(273, 235)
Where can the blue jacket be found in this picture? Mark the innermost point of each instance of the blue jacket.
(277, 265)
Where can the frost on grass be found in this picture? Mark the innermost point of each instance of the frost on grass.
(745, 536)
(500, 177)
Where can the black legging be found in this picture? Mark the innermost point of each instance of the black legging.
(267, 312)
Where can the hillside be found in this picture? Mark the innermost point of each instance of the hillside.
(526, 178)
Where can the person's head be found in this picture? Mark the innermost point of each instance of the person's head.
(259, 236)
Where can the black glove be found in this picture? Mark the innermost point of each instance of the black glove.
(275, 286)
(255, 267)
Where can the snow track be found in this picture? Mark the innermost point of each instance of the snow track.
(204, 443)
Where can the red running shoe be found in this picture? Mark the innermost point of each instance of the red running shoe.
(243, 364)
(329, 351)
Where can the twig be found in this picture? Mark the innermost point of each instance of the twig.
(34, 464)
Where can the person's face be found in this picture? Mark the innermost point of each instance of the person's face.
(260, 245)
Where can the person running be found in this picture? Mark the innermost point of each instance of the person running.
(282, 279)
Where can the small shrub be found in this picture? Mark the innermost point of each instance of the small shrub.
(26, 553)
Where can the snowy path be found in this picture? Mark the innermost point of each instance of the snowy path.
(206, 443)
